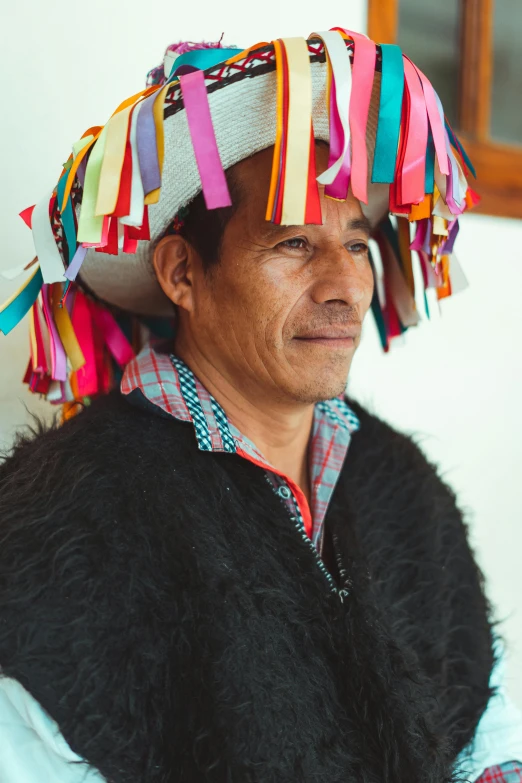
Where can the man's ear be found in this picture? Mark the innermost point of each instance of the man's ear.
(172, 261)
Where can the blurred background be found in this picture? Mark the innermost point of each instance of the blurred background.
(455, 381)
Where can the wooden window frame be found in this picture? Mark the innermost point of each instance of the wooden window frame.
(498, 166)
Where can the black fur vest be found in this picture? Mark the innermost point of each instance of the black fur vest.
(162, 607)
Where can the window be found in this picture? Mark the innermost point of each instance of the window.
(470, 50)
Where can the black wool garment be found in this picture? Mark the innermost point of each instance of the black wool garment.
(161, 605)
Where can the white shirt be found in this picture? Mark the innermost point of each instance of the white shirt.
(32, 749)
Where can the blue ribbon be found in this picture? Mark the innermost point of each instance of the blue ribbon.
(14, 312)
(200, 60)
(390, 109)
(429, 180)
(68, 224)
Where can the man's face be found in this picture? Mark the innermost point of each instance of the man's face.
(281, 312)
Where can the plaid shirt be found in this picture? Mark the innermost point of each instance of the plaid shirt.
(505, 773)
(166, 381)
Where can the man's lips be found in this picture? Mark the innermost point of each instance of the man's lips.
(338, 336)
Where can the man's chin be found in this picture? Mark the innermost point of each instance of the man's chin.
(317, 390)
(319, 378)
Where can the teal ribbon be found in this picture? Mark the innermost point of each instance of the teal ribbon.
(13, 313)
(377, 311)
(458, 146)
(429, 181)
(201, 59)
(67, 216)
(426, 306)
(390, 109)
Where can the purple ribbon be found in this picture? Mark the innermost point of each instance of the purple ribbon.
(447, 247)
(147, 145)
(74, 267)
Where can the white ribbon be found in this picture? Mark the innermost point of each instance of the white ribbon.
(45, 245)
(339, 58)
(135, 216)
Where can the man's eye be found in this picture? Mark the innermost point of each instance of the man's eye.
(358, 248)
(296, 243)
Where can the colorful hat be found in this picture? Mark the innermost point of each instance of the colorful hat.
(92, 296)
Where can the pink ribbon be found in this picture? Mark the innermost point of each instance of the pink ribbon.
(339, 187)
(363, 71)
(58, 357)
(104, 237)
(436, 124)
(429, 275)
(414, 166)
(213, 181)
(113, 336)
(420, 234)
(86, 376)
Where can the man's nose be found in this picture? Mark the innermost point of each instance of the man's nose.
(339, 276)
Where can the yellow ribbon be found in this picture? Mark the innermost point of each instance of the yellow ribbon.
(94, 133)
(112, 163)
(298, 131)
(65, 330)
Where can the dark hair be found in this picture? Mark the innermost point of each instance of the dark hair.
(204, 228)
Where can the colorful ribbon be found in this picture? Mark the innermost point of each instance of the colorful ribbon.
(67, 216)
(74, 267)
(58, 356)
(363, 71)
(46, 249)
(65, 330)
(199, 119)
(436, 123)
(390, 109)
(135, 216)
(112, 162)
(337, 175)
(13, 310)
(200, 60)
(90, 225)
(413, 172)
(298, 140)
(147, 146)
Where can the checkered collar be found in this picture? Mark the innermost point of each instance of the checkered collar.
(166, 381)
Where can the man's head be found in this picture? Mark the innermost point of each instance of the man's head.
(276, 309)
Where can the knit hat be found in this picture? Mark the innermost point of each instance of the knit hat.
(92, 296)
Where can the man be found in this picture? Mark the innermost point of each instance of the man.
(225, 569)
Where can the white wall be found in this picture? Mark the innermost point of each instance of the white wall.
(455, 381)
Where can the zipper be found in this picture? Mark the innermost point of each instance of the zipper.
(343, 574)
(301, 529)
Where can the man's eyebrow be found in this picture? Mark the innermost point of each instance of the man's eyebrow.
(354, 224)
(360, 224)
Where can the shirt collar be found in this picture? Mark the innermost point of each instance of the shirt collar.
(167, 382)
